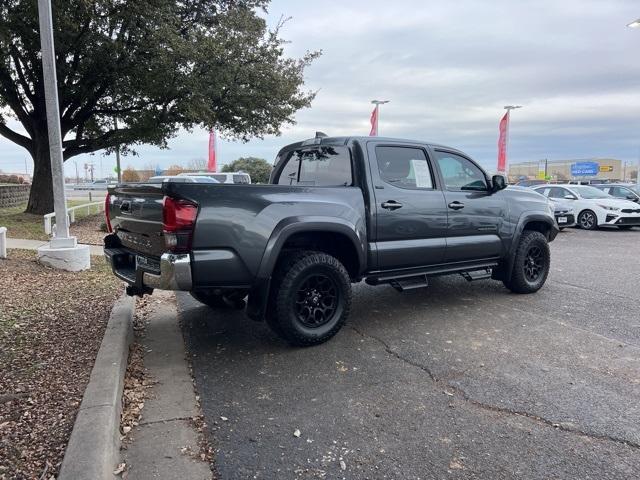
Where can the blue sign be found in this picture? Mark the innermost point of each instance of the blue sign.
(584, 169)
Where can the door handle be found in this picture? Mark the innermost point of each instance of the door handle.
(456, 205)
(391, 205)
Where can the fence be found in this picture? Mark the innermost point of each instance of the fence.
(71, 212)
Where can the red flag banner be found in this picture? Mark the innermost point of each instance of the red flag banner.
(374, 123)
(211, 165)
(502, 143)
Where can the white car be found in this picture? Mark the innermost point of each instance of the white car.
(593, 207)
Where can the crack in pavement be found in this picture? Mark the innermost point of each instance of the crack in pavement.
(493, 408)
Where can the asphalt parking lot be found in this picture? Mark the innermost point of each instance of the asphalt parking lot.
(459, 380)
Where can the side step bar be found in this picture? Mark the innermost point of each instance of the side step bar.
(411, 283)
(402, 281)
(476, 275)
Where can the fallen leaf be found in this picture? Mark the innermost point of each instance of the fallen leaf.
(121, 468)
(296, 433)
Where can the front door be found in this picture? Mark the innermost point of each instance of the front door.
(410, 208)
(475, 213)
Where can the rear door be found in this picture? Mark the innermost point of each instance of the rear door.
(410, 209)
(475, 214)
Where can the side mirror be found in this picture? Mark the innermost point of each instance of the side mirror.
(498, 182)
(632, 197)
(570, 197)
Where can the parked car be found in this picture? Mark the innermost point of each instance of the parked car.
(95, 185)
(531, 183)
(189, 179)
(564, 214)
(338, 210)
(593, 207)
(621, 190)
(226, 177)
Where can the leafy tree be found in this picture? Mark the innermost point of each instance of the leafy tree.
(152, 66)
(258, 168)
(130, 175)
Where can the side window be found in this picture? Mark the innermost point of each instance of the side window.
(543, 191)
(220, 178)
(240, 179)
(557, 192)
(404, 167)
(459, 173)
(289, 174)
(318, 167)
(619, 192)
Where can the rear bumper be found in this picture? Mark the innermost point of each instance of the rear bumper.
(174, 272)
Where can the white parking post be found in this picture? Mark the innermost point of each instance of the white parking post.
(3, 242)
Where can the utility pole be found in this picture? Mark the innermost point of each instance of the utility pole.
(62, 251)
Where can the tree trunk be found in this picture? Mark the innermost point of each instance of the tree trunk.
(41, 195)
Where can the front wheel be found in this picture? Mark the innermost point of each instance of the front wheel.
(531, 263)
(310, 298)
(588, 220)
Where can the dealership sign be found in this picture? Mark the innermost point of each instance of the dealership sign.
(584, 169)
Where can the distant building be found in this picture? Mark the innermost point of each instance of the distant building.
(608, 169)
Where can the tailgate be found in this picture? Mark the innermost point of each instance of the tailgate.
(135, 211)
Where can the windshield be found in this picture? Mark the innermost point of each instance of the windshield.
(589, 193)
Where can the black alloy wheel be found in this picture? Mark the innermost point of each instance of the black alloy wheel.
(533, 263)
(316, 301)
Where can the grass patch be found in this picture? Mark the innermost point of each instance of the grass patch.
(27, 225)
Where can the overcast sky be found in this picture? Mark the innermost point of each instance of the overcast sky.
(448, 69)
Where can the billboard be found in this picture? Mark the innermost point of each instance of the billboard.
(584, 169)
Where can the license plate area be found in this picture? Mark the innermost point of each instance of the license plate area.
(147, 263)
(562, 219)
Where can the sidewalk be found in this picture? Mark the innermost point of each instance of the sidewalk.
(165, 443)
(24, 244)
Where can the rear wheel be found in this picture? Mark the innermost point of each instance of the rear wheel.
(310, 298)
(588, 220)
(531, 264)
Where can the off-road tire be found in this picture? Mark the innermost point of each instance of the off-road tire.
(583, 220)
(290, 278)
(533, 245)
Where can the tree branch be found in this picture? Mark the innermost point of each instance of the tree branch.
(15, 137)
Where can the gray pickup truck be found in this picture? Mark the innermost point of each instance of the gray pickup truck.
(338, 210)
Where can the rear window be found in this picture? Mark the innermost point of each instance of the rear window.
(317, 167)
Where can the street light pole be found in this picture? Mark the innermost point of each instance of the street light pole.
(377, 103)
(508, 108)
(61, 237)
(62, 251)
(636, 24)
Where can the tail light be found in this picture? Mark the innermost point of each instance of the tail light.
(178, 222)
(107, 204)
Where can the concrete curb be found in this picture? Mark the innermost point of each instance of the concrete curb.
(93, 452)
